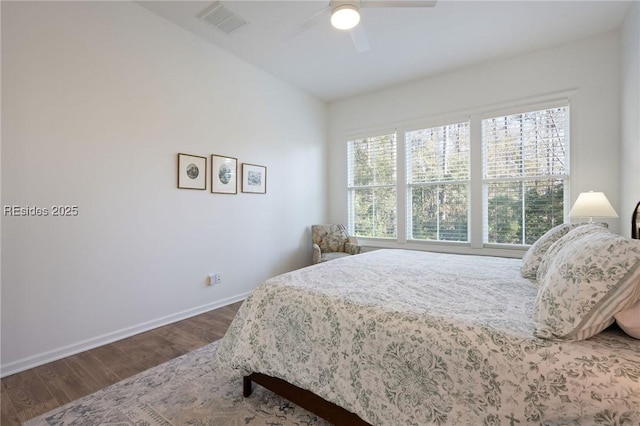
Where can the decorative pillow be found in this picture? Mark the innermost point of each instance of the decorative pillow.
(629, 320)
(532, 258)
(574, 233)
(591, 278)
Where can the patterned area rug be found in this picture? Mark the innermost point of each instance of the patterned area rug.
(189, 390)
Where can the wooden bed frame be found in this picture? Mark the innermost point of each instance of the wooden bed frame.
(304, 398)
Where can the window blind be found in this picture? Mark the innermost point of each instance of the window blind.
(527, 145)
(525, 174)
(371, 188)
(438, 182)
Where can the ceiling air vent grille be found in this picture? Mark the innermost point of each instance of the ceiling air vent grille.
(222, 18)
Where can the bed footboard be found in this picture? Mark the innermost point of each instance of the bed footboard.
(304, 398)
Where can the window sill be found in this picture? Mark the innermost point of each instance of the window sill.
(369, 244)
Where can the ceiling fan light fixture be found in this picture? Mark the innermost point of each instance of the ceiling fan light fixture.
(345, 17)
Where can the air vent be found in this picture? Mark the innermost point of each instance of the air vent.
(222, 18)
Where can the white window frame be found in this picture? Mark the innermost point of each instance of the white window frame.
(566, 177)
(351, 188)
(409, 185)
(474, 116)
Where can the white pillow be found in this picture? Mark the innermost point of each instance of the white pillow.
(574, 233)
(629, 320)
(590, 277)
(533, 257)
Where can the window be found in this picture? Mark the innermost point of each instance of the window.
(525, 175)
(438, 183)
(487, 180)
(372, 186)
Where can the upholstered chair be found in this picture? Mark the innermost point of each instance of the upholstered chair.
(331, 242)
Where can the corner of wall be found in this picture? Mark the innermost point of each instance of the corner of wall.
(629, 116)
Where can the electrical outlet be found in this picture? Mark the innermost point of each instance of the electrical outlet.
(215, 278)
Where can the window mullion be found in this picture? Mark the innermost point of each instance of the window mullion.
(476, 188)
(401, 187)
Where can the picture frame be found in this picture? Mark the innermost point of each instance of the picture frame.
(224, 174)
(192, 171)
(254, 179)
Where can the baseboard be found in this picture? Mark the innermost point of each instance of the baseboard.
(65, 351)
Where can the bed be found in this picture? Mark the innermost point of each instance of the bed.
(396, 337)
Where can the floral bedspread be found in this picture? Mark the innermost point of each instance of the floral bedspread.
(412, 338)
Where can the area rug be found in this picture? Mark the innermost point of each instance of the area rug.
(189, 390)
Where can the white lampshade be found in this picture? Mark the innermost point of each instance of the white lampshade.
(592, 204)
(345, 17)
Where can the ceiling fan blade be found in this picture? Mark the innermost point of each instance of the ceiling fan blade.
(359, 38)
(307, 23)
(398, 3)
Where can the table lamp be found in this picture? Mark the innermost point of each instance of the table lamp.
(592, 204)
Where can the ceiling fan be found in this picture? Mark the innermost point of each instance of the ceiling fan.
(345, 16)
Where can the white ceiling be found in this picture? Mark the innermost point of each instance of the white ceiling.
(406, 43)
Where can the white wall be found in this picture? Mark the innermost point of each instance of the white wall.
(588, 69)
(97, 100)
(630, 137)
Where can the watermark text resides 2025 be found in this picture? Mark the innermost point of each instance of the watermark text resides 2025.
(35, 211)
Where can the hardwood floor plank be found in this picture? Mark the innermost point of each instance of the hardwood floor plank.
(182, 341)
(33, 392)
(137, 352)
(229, 311)
(60, 381)
(90, 365)
(162, 348)
(117, 361)
(225, 314)
(26, 390)
(217, 324)
(8, 413)
(147, 349)
(28, 394)
(207, 328)
(36, 410)
(89, 382)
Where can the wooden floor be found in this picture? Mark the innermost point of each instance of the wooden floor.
(27, 394)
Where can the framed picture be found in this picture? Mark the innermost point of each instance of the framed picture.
(192, 172)
(224, 174)
(254, 179)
